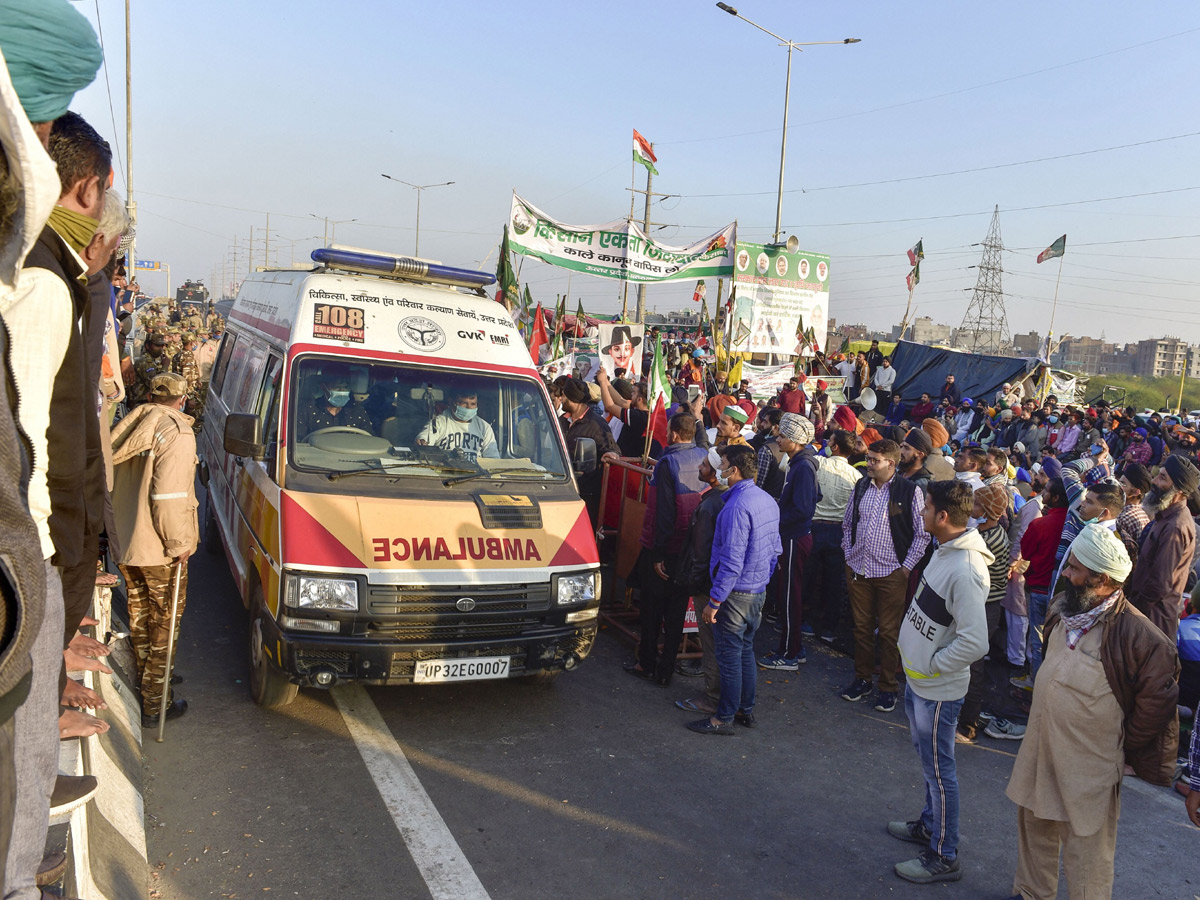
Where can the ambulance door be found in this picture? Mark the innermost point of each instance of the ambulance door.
(240, 393)
(261, 488)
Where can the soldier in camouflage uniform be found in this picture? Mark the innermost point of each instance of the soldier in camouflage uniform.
(154, 506)
(153, 361)
(185, 364)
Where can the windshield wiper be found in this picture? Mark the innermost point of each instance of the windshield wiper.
(334, 476)
(500, 473)
(446, 482)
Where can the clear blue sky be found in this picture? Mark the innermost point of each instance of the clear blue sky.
(298, 107)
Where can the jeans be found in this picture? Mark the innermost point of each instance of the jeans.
(975, 690)
(733, 634)
(1038, 602)
(932, 724)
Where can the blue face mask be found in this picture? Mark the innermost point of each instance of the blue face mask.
(338, 398)
(463, 414)
(1054, 420)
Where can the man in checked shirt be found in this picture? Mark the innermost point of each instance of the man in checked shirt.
(883, 538)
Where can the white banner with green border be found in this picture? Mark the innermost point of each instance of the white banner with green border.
(618, 249)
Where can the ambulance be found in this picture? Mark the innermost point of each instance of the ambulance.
(386, 477)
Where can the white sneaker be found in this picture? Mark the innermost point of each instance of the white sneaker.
(1004, 730)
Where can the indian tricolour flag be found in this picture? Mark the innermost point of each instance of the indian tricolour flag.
(643, 154)
(659, 395)
(1058, 248)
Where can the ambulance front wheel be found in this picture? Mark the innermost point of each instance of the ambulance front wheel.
(269, 688)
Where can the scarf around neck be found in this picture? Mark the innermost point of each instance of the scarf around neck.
(73, 227)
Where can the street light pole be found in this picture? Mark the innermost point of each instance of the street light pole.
(335, 223)
(418, 188)
(787, 93)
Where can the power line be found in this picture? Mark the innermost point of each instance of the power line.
(975, 87)
(108, 86)
(1008, 165)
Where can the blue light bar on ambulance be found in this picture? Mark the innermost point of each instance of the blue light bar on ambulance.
(400, 266)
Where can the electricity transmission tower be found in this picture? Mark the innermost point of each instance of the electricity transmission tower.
(985, 326)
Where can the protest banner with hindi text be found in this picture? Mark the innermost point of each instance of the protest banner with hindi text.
(618, 249)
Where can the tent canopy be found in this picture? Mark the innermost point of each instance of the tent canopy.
(921, 369)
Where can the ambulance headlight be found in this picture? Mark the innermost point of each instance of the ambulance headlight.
(573, 589)
(310, 592)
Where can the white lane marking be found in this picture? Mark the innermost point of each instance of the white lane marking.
(438, 857)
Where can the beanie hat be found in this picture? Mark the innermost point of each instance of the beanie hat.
(870, 436)
(993, 500)
(575, 390)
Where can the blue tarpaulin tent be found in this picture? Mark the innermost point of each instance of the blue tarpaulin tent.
(921, 369)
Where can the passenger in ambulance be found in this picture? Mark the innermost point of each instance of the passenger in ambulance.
(333, 409)
(460, 430)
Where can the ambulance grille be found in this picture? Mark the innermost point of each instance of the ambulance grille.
(437, 601)
(450, 632)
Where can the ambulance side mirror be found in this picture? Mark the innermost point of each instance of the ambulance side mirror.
(583, 456)
(243, 435)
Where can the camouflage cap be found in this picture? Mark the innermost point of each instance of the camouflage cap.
(156, 337)
(168, 384)
(189, 335)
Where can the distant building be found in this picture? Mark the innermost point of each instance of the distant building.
(1160, 357)
(675, 320)
(923, 330)
(1028, 344)
(1082, 354)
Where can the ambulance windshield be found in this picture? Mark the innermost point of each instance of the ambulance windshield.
(357, 417)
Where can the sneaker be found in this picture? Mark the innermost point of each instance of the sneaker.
(827, 638)
(928, 868)
(913, 832)
(780, 663)
(886, 701)
(807, 629)
(1004, 730)
(859, 689)
(985, 717)
(1023, 682)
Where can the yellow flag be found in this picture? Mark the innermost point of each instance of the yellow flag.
(735, 371)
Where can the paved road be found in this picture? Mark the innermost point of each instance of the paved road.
(589, 788)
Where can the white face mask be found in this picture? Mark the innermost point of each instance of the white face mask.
(722, 479)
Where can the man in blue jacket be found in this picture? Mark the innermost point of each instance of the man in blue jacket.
(797, 504)
(675, 493)
(746, 548)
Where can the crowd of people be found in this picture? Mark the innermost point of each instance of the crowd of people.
(75, 475)
(1040, 535)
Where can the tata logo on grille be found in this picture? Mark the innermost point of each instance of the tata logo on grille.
(421, 333)
(465, 604)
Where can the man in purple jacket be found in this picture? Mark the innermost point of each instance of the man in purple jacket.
(746, 548)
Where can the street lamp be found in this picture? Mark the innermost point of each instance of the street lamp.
(334, 222)
(787, 91)
(418, 188)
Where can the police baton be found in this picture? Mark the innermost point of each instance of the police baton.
(176, 577)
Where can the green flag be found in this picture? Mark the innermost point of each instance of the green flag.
(1058, 248)
(525, 321)
(560, 312)
(507, 292)
(580, 316)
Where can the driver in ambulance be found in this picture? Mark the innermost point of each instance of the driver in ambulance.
(460, 430)
(334, 409)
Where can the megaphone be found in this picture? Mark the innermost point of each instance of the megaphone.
(867, 399)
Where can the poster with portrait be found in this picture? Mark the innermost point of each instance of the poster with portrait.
(621, 348)
(775, 289)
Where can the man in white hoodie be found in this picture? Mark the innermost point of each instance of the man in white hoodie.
(944, 631)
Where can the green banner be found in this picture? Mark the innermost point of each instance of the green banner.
(618, 249)
(775, 290)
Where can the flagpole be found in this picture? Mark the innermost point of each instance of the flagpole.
(632, 188)
(1053, 308)
(907, 310)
